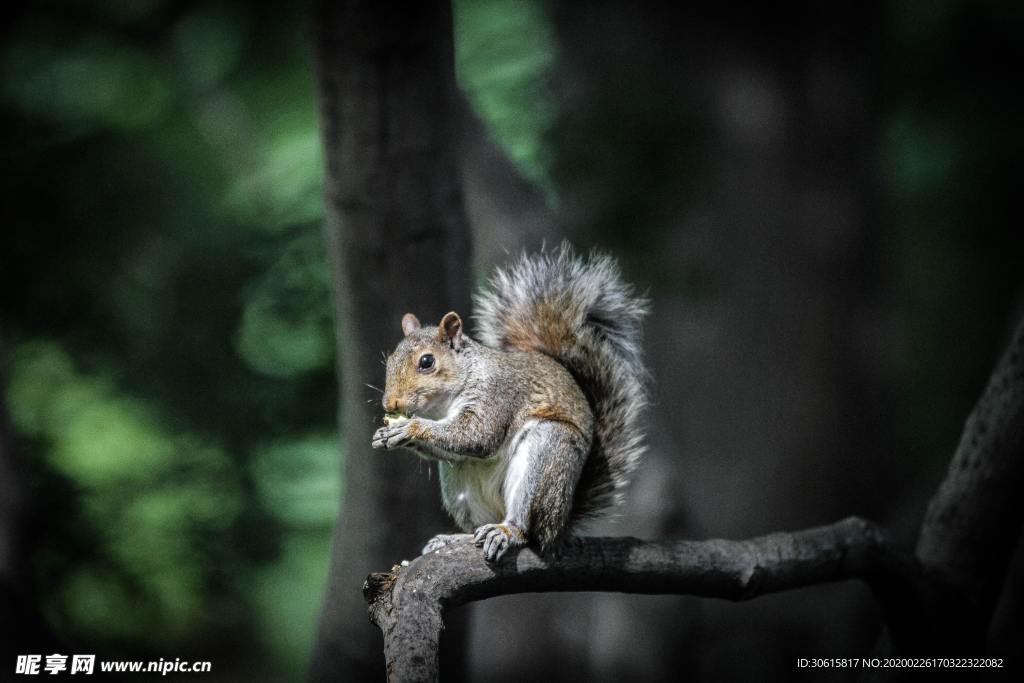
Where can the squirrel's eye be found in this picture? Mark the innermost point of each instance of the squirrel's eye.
(426, 361)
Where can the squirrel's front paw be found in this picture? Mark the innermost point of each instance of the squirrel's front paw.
(497, 539)
(391, 436)
(440, 541)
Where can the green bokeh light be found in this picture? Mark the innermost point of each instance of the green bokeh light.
(504, 55)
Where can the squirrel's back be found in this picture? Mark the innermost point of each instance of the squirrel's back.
(580, 312)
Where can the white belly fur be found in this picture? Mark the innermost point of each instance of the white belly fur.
(475, 492)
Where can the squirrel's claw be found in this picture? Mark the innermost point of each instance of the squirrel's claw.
(497, 539)
(380, 438)
(391, 437)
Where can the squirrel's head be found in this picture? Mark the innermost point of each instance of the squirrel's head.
(424, 370)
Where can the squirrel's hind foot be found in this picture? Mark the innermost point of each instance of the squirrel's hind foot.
(498, 539)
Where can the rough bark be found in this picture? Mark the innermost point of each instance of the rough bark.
(937, 602)
(409, 603)
(398, 242)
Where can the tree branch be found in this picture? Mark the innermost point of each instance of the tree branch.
(409, 603)
(967, 536)
(941, 598)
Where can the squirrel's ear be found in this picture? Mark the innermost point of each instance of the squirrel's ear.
(410, 324)
(450, 330)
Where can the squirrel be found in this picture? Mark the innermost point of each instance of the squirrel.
(536, 425)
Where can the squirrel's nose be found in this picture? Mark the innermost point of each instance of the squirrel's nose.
(394, 405)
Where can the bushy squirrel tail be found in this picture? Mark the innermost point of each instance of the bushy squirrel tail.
(580, 312)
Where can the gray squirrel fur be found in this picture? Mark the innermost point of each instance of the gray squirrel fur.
(536, 426)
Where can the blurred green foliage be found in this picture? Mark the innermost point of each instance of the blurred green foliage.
(145, 494)
(168, 340)
(504, 56)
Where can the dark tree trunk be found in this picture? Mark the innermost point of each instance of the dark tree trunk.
(398, 242)
(723, 155)
(11, 516)
(23, 626)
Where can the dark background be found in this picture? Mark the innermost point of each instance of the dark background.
(818, 200)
